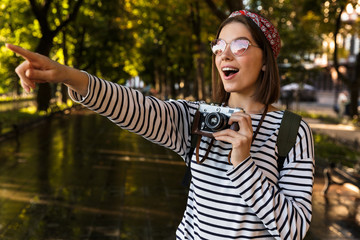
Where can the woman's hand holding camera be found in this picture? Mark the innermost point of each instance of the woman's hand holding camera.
(40, 69)
(241, 140)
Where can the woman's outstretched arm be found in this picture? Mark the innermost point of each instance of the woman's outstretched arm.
(164, 123)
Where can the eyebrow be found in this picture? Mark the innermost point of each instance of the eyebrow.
(242, 38)
(239, 38)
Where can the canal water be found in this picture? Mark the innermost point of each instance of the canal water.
(79, 176)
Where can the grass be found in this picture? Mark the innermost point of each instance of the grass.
(6, 99)
(321, 117)
(328, 150)
(355, 121)
(18, 117)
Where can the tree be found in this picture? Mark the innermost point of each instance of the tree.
(165, 42)
(101, 41)
(167, 45)
(352, 82)
(13, 30)
(232, 5)
(50, 25)
(96, 34)
(199, 49)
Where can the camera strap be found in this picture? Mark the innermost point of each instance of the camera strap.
(207, 151)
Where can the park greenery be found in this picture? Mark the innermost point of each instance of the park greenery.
(330, 150)
(164, 42)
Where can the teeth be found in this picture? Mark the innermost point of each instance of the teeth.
(229, 69)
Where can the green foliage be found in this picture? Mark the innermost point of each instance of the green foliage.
(7, 99)
(322, 117)
(331, 151)
(117, 40)
(16, 26)
(23, 116)
(298, 23)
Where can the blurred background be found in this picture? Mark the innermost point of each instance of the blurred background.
(160, 47)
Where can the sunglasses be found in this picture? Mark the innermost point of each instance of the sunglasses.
(237, 46)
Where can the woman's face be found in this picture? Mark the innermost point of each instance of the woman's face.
(245, 68)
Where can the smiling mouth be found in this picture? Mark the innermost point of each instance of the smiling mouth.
(229, 71)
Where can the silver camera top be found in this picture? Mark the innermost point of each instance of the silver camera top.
(209, 108)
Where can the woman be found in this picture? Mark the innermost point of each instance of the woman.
(237, 192)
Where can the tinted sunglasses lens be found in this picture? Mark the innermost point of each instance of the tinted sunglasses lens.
(218, 46)
(239, 46)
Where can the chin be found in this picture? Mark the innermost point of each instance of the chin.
(230, 89)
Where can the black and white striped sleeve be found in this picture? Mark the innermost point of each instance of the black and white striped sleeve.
(286, 208)
(166, 123)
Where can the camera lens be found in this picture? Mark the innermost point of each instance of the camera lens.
(216, 121)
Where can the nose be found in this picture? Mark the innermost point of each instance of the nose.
(227, 54)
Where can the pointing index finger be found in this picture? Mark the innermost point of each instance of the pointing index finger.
(28, 55)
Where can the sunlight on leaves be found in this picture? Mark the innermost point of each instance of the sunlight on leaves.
(30, 110)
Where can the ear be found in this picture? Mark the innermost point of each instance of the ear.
(263, 68)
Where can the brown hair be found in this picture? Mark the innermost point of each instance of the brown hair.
(268, 90)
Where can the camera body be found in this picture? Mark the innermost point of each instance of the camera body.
(212, 118)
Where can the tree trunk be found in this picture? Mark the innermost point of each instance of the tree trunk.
(157, 81)
(41, 12)
(172, 91)
(233, 5)
(43, 96)
(355, 84)
(221, 15)
(164, 90)
(335, 54)
(352, 84)
(17, 86)
(64, 92)
(198, 56)
(200, 78)
(44, 90)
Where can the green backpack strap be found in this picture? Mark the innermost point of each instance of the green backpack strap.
(287, 136)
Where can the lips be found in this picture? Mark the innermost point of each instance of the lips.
(229, 72)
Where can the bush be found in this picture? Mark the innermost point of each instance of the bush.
(328, 150)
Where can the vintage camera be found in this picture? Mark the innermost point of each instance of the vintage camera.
(213, 118)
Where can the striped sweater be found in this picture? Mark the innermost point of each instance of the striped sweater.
(250, 201)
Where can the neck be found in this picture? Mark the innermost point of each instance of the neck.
(247, 103)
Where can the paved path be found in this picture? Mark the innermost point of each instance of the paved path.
(345, 132)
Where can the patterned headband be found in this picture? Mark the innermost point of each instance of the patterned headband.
(266, 27)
